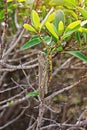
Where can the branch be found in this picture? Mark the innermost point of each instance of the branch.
(10, 122)
(67, 88)
(13, 67)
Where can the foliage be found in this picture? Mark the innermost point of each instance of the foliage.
(33, 94)
(57, 28)
(51, 24)
(60, 29)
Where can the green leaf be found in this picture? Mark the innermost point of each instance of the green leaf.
(77, 37)
(73, 25)
(59, 16)
(56, 2)
(35, 41)
(21, 0)
(60, 28)
(84, 30)
(51, 29)
(9, 0)
(81, 29)
(70, 3)
(46, 18)
(85, 37)
(72, 13)
(71, 28)
(35, 19)
(60, 48)
(67, 3)
(32, 42)
(51, 17)
(83, 12)
(29, 27)
(78, 55)
(1, 14)
(29, 2)
(69, 33)
(33, 94)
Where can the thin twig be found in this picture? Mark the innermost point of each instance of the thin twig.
(66, 89)
(12, 121)
(13, 67)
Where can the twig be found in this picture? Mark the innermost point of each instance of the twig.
(31, 127)
(30, 62)
(18, 101)
(50, 109)
(8, 89)
(10, 122)
(67, 88)
(61, 125)
(13, 67)
(81, 116)
(15, 19)
(15, 41)
(14, 97)
(27, 79)
(62, 66)
(50, 126)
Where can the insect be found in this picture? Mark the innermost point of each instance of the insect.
(49, 57)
